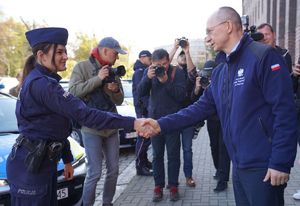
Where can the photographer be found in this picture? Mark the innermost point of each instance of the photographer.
(142, 164)
(185, 62)
(95, 82)
(165, 86)
(219, 152)
(270, 39)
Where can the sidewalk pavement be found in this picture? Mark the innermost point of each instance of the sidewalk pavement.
(139, 190)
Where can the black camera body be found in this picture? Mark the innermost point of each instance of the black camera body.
(255, 35)
(160, 71)
(182, 42)
(120, 71)
(205, 75)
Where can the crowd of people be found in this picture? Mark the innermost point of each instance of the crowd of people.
(246, 95)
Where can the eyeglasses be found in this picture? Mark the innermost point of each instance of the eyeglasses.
(211, 29)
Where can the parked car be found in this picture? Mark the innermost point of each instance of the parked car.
(68, 192)
(127, 139)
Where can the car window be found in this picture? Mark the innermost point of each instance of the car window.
(127, 88)
(8, 120)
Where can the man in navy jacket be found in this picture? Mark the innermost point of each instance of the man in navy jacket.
(165, 85)
(142, 164)
(252, 94)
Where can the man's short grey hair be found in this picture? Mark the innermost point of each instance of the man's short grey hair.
(229, 14)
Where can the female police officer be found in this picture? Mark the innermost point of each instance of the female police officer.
(44, 111)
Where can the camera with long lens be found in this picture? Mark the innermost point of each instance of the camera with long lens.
(255, 35)
(206, 73)
(159, 70)
(120, 71)
(182, 42)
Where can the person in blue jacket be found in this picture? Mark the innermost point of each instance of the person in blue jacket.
(142, 163)
(44, 112)
(251, 91)
(165, 85)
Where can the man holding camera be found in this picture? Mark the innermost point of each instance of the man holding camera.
(142, 164)
(185, 63)
(165, 86)
(219, 152)
(270, 39)
(251, 91)
(99, 85)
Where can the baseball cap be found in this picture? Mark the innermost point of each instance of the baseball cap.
(111, 43)
(53, 35)
(145, 53)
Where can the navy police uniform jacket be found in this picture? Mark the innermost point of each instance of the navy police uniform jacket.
(253, 98)
(44, 110)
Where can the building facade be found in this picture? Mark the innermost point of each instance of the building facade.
(283, 15)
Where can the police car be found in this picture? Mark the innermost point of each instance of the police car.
(127, 139)
(68, 192)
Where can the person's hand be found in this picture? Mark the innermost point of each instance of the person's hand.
(152, 126)
(186, 49)
(151, 72)
(296, 70)
(68, 171)
(113, 86)
(103, 72)
(197, 86)
(277, 178)
(140, 127)
(176, 44)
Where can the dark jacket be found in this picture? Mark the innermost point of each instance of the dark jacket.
(44, 109)
(165, 98)
(252, 95)
(140, 104)
(287, 57)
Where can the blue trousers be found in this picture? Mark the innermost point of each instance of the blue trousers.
(172, 143)
(250, 190)
(141, 148)
(219, 152)
(31, 189)
(96, 147)
(187, 142)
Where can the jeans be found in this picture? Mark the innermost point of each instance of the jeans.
(95, 147)
(219, 151)
(172, 143)
(250, 190)
(187, 135)
(141, 148)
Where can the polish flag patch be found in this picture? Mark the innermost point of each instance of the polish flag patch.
(275, 67)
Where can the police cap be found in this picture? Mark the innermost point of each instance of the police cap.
(53, 35)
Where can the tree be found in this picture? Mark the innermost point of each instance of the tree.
(13, 47)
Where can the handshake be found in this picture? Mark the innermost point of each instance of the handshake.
(146, 127)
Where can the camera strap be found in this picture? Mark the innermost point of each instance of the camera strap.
(173, 73)
(96, 67)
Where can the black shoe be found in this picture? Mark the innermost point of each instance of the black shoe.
(149, 165)
(221, 186)
(144, 172)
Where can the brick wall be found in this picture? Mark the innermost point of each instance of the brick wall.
(283, 15)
